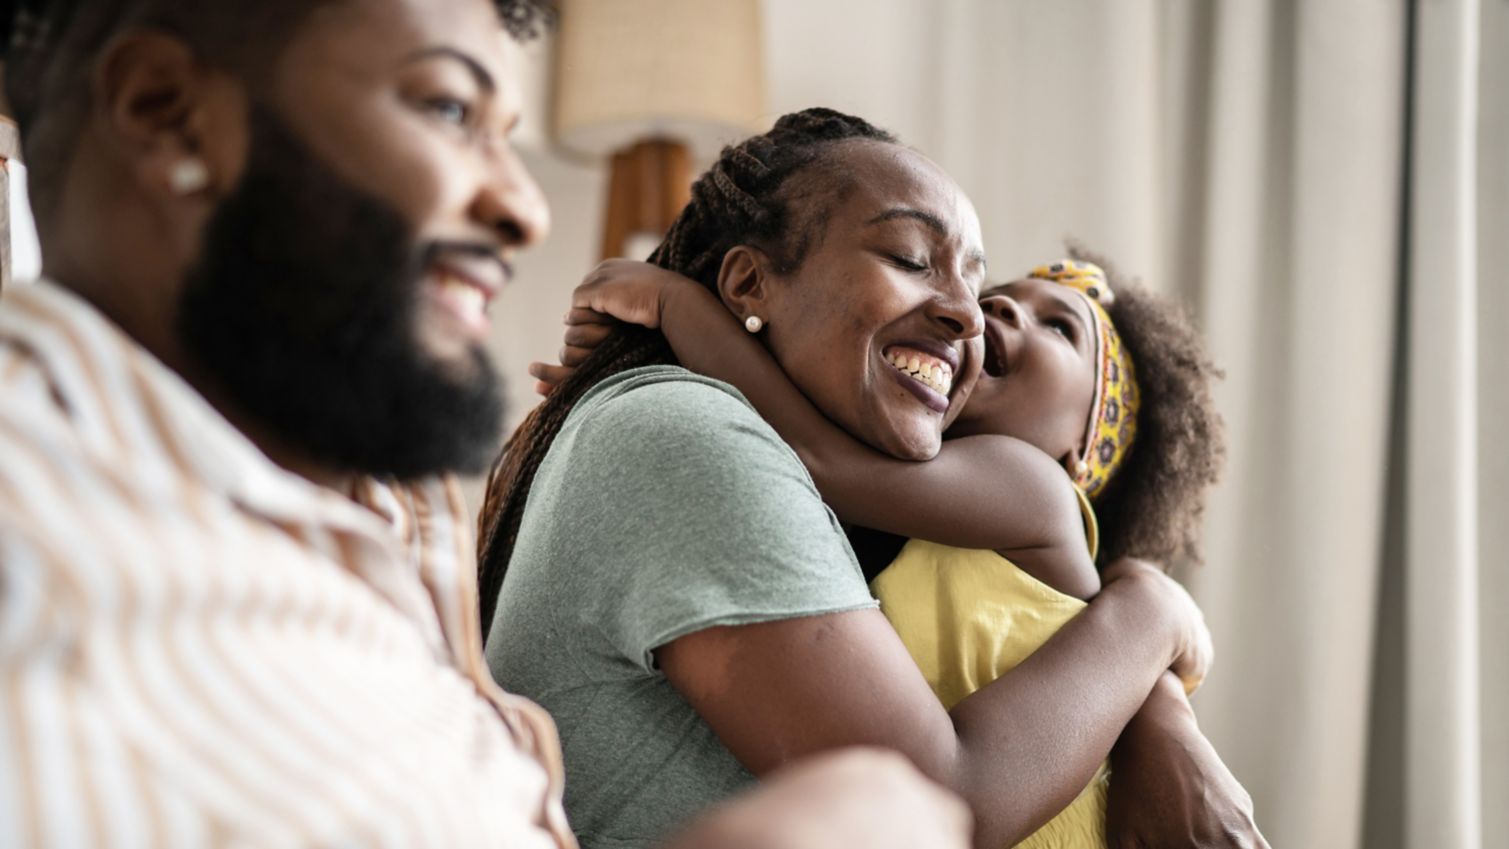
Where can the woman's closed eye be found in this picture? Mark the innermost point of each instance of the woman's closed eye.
(907, 264)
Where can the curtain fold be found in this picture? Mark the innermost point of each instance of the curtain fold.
(1493, 413)
(1443, 805)
(1295, 285)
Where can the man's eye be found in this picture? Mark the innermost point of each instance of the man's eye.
(448, 109)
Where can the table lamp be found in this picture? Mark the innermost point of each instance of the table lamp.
(654, 85)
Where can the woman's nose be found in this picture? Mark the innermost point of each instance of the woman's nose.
(960, 313)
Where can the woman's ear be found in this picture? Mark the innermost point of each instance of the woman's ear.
(743, 283)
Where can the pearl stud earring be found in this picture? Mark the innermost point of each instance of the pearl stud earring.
(754, 324)
(189, 176)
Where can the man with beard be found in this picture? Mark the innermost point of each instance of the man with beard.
(237, 588)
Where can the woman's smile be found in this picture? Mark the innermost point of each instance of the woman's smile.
(924, 373)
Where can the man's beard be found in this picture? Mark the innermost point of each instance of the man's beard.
(303, 310)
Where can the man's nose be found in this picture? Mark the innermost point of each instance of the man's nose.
(510, 204)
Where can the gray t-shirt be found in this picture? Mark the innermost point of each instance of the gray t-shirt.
(665, 506)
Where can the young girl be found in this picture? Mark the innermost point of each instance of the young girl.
(1094, 398)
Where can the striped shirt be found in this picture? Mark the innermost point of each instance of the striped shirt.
(200, 649)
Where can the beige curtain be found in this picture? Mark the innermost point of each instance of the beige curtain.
(1327, 185)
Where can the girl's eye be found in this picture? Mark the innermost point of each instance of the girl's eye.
(1061, 327)
(448, 109)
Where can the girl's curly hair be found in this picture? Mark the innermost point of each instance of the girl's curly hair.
(1154, 506)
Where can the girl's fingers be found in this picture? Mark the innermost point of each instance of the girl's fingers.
(550, 375)
(634, 304)
(587, 335)
(583, 315)
(573, 356)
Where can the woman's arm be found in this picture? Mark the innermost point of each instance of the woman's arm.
(1018, 750)
(990, 492)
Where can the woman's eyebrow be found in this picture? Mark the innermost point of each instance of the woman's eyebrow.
(483, 77)
(932, 221)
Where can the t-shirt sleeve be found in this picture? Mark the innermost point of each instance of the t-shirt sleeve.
(702, 517)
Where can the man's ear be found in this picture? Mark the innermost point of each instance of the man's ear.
(179, 126)
(744, 283)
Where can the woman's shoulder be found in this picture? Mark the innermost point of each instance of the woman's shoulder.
(670, 404)
(667, 380)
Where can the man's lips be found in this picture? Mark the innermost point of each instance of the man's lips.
(488, 274)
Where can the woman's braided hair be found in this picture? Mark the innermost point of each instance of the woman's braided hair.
(746, 198)
(1153, 507)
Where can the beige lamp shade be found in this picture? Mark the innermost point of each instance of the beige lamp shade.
(691, 71)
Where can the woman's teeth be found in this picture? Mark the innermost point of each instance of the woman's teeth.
(929, 372)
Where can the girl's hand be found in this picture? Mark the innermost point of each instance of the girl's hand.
(1170, 788)
(632, 292)
(617, 290)
(1194, 652)
(585, 330)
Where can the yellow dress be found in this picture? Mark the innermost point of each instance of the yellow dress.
(967, 617)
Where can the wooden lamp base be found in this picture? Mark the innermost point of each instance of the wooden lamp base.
(650, 183)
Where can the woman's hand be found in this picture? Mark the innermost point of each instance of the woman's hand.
(1169, 788)
(616, 291)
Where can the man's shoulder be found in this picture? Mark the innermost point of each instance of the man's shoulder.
(59, 456)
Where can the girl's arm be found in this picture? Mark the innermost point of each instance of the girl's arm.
(992, 492)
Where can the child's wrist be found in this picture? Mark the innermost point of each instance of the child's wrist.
(681, 298)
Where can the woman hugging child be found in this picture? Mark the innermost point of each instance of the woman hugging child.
(1088, 433)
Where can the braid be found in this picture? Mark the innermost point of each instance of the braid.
(739, 201)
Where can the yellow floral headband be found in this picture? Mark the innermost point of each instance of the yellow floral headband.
(1113, 414)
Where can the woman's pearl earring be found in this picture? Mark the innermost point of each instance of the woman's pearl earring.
(188, 176)
(1081, 469)
(754, 324)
